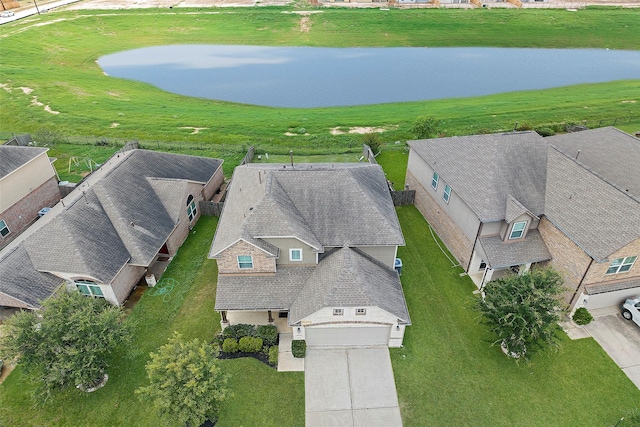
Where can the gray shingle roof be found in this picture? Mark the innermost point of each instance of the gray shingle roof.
(321, 204)
(608, 152)
(502, 254)
(484, 169)
(12, 157)
(20, 280)
(610, 287)
(515, 209)
(122, 213)
(594, 214)
(347, 277)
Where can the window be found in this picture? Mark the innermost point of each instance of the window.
(621, 265)
(447, 193)
(361, 311)
(245, 261)
(4, 229)
(338, 312)
(191, 208)
(88, 287)
(517, 230)
(295, 254)
(434, 181)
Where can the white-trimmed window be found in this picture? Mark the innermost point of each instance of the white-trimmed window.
(4, 228)
(295, 254)
(434, 181)
(517, 231)
(245, 261)
(89, 288)
(447, 193)
(191, 208)
(621, 265)
(338, 312)
(361, 311)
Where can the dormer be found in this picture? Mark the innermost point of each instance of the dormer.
(518, 221)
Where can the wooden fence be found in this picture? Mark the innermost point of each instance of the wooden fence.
(368, 154)
(249, 156)
(403, 198)
(210, 208)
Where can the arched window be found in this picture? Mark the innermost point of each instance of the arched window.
(191, 208)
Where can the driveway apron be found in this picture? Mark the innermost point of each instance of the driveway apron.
(621, 340)
(350, 387)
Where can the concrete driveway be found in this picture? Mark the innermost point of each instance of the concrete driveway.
(621, 340)
(350, 387)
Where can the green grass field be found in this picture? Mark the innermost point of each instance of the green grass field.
(56, 63)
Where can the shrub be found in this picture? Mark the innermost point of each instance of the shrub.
(250, 344)
(524, 126)
(545, 132)
(230, 345)
(582, 316)
(238, 331)
(373, 140)
(299, 348)
(268, 333)
(426, 127)
(273, 355)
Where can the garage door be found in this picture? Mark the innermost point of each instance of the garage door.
(608, 299)
(347, 336)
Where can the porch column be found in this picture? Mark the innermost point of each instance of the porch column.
(524, 268)
(270, 317)
(488, 273)
(224, 316)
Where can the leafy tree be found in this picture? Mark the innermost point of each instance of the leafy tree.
(373, 140)
(523, 309)
(186, 384)
(66, 343)
(426, 127)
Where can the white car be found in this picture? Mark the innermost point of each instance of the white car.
(631, 310)
(7, 14)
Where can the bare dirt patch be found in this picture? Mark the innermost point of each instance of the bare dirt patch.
(26, 90)
(114, 125)
(361, 130)
(194, 129)
(305, 24)
(629, 102)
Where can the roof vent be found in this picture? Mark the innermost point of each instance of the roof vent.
(578, 154)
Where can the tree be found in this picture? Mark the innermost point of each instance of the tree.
(66, 342)
(186, 384)
(426, 127)
(523, 309)
(373, 140)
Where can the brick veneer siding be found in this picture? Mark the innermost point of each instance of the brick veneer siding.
(452, 236)
(22, 214)
(597, 272)
(567, 257)
(228, 260)
(125, 281)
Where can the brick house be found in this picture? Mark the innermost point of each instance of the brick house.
(312, 248)
(28, 183)
(504, 202)
(103, 237)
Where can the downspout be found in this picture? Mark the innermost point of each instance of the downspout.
(474, 244)
(580, 283)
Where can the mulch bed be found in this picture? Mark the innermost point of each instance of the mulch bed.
(259, 356)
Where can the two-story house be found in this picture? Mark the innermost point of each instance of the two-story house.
(503, 202)
(312, 248)
(102, 238)
(28, 183)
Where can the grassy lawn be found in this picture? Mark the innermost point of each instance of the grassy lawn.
(63, 74)
(448, 374)
(262, 397)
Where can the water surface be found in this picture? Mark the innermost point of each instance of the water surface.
(302, 77)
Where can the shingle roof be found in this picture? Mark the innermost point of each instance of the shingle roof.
(12, 157)
(22, 281)
(515, 209)
(502, 254)
(597, 216)
(610, 287)
(347, 277)
(321, 204)
(123, 213)
(484, 169)
(608, 152)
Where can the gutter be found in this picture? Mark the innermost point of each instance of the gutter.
(580, 283)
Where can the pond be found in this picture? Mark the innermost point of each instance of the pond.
(304, 77)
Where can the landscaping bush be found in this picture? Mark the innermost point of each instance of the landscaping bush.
(545, 132)
(238, 331)
(273, 355)
(230, 345)
(268, 333)
(298, 348)
(250, 344)
(582, 316)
